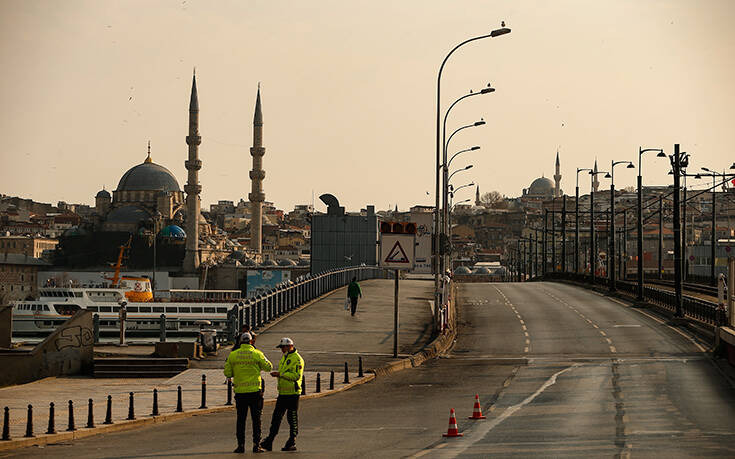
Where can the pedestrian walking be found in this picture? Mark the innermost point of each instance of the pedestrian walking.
(244, 365)
(353, 293)
(290, 373)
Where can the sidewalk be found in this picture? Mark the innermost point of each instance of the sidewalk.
(324, 333)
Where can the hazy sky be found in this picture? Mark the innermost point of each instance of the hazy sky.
(349, 93)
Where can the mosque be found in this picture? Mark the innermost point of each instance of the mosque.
(148, 196)
(543, 188)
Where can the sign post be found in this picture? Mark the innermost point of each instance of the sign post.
(397, 252)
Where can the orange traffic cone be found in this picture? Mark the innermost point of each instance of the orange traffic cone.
(477, 411)
(453, 431)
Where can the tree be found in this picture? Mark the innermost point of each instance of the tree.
(493, 200)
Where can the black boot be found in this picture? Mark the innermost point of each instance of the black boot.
(290, 445)
(239, 449)
(267, 444)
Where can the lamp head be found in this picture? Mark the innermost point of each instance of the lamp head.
(706, 170)
(607, 175)
(733, 166)
(698, 176)
(661, 154)
(468, 167)
(499, 32)
(476, 147)
(479, 123)
(630, 166)
(487, 90)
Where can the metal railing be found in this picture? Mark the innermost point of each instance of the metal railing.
(695, 308)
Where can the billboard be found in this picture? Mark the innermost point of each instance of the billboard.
(262, 280)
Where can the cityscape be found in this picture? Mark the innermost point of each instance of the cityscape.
(558, 250)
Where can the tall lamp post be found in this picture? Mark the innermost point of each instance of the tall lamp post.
(611, 237)
(437, 290)
(576, 221)
(661, 154)
(679, 160)
(445, 229)
(593, 245)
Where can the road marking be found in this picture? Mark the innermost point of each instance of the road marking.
(522, 322)
(595, 325)
(608, 340)
(613, 350)
(673, 328)
(528, 341)
(525, 349)
(524, 327)
(526, 333)
(479, 433)
(602, 333)
(626, 326)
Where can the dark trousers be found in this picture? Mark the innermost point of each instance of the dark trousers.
(290, 404)
(353, 305)
(253, 401)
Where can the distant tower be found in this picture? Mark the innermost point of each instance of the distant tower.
(192, 187)
(595, 182)
(257, 174)
(477, 195)
(557, 178)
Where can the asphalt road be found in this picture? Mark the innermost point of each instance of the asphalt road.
(560, 371)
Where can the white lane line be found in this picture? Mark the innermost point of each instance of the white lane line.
(595, 326)
(525, 349)
(602, 333)
(522, 322)
(626, 326)
(524, 327)
(526, 333)
(481, 431)
(528, 341)
(609, 341)
(702, 349)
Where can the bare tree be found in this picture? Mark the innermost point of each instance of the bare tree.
(493, 200)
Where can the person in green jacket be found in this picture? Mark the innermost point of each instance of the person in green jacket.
(244, 365)
(353, 292)
(290, 374)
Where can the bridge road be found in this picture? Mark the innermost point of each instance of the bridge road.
(587, 377)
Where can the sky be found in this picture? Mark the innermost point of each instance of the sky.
(349, 93)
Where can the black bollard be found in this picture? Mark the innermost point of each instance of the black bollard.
(154, 412)
(229, 392)
(70, 427)
(331, 380)
(131, 407)
(179, 404)
(90, 414)
(6, 424)
(318, 383)
(347, 375)
(359, 367)
(204, 392)
(303, 385)
(108, 416)
(51, 420)
(29, 422)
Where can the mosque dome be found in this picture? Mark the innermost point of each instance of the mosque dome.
(173, 231)
(541, 186)
(127, 214)
(286, 262)
(148, 176)
(482, 271)
(269, 262)
(462, 270)
(103, 194)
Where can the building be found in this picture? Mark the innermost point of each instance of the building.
(31, 246)
(18, 275)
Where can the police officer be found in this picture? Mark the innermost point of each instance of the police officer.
(244, 365)
(290, 373)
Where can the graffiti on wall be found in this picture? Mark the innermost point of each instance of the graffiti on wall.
(74, 337)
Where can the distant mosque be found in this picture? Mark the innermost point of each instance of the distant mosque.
(543, 188)
(149, 191)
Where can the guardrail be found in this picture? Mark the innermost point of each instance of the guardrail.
(695, 308)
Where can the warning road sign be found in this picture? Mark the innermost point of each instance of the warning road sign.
(397, 251)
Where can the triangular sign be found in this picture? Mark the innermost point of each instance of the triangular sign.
(397, 254)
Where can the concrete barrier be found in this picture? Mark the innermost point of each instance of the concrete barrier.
(67, 351)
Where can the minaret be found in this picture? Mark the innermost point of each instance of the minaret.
(557, 178)
(192, 187)
(257, 174)
(595, 182)
(477, 195)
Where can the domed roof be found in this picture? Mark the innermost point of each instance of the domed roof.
(173, 231)
(269, 262)
(127, 214)
(482, 271)
(103, 194)
(286, 262)
(541, 185)
(148, 176)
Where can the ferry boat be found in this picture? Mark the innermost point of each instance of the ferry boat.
(184, 309)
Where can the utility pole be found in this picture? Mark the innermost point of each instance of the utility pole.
(660, 237)
(676, 163)
(564, 233)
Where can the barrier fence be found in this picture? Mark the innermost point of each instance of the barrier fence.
(695, 308)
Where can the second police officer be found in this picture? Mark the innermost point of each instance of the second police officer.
(290, 373)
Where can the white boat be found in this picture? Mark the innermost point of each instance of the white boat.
(184, 309)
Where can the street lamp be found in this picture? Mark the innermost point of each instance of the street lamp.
(495, 33)
(576, 221)
(611, 234)
(593, 246)
(475, 148)
(639, 274)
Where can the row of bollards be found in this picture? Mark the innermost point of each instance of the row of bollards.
(154, 410)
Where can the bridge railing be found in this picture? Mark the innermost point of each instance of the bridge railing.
(695, 308)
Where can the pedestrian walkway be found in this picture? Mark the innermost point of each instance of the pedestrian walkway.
(325, 334)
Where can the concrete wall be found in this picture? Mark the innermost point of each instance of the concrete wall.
(68, 350)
